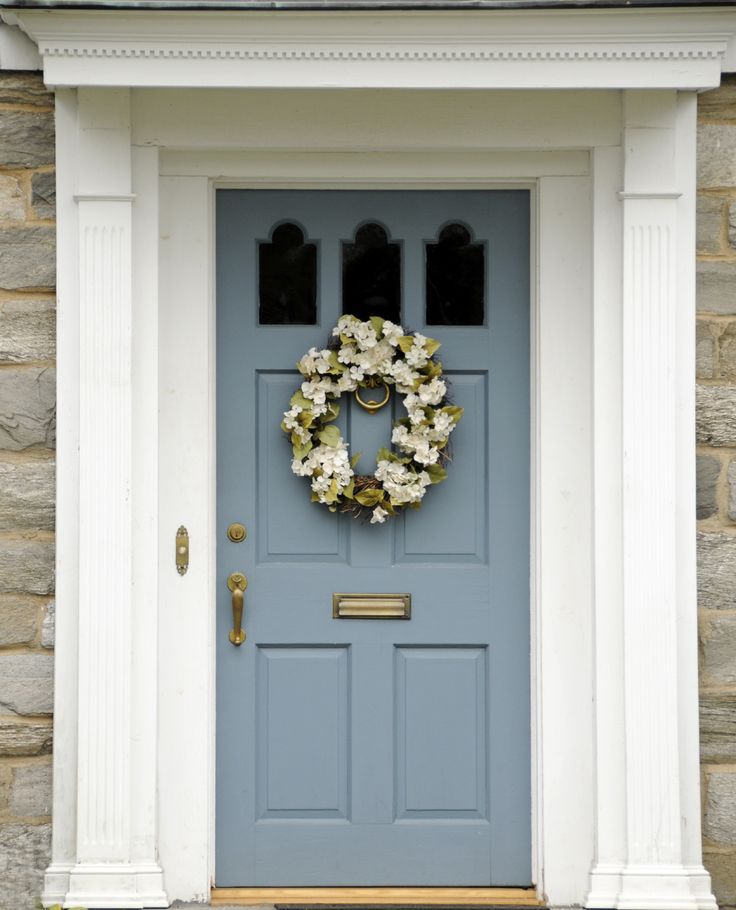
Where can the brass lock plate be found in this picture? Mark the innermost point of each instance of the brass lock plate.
(182, 550)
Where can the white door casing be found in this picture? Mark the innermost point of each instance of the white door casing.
(614, 605)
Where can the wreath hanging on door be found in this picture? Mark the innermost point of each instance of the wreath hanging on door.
(371, 354)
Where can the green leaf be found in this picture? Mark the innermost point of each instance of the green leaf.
(301, 451)
(355, 459)
(330, 436)
(377, 324)
(298, 399)
(369, 497)
(436, 473)
(336, 366)
(431, 345)
(454, 411)
(433, 369)
(406, 343)
(349, 490)
(384, 454)
(333, 412)
(331, 494)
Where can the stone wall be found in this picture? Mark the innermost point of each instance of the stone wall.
(716, 441)
(27, 411)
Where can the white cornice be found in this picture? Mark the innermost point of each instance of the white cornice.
(530, 49)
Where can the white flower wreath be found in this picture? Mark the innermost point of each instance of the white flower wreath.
(375, 352)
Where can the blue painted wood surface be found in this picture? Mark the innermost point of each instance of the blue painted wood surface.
(374, 752)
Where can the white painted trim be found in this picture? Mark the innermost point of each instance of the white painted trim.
(666, 48)
(17, 51)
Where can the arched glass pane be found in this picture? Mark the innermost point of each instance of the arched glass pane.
(287, 278)
(371, 275)
(455, 284)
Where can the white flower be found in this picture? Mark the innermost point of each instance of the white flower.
(432, 392)
(379, 515)
(346, 353)
(402, 485)
(403, 375)
(392, 332)
(416, 356)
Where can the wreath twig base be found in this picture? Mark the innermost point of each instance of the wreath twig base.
(366, 355)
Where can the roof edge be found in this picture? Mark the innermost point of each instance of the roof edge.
(356, 5)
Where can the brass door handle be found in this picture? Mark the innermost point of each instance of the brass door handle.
(237, 583)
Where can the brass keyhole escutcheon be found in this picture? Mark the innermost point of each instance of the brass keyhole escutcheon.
(373, 406)
(236, 532)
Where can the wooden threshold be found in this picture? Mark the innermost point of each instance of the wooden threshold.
(365, 897)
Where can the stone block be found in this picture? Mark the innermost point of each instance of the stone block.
(19, 737)
(27, 407)
(719, 103)
(718, 727)
(727, 358)
(26, 139)
(705, 351)
(709, 223)
(27, 330)
(43, 198)
(715, 415)
(708, 472)
(30, 791)
(48, 626)
(26, 566)
(731, 475)
(716, 571)
(12, 202)
(720, 810)
(716, 287)
(18, 620)
(716, 155)
(732, 224)
(27, 256)
(722, 868)
(26, 683)
(24, 88)
(25, 851)
(27, 493)
(718, 650)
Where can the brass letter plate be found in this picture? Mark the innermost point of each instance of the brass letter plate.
(371, 606)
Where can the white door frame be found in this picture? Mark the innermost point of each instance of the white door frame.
(616, 788)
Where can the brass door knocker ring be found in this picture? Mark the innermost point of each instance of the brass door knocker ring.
(373, 406)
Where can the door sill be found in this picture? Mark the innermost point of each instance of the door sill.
(375, 897)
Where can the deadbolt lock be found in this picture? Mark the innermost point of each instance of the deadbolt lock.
(236, 532)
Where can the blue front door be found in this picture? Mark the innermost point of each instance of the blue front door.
(374, 751)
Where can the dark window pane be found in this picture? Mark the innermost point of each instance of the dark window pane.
(287, 278)
(455, 278)
(371, 275)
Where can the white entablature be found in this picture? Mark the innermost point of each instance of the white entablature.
(540, 49)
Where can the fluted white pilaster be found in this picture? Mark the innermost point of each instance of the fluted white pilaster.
(105, 581)
(113, 862)
(650, 869)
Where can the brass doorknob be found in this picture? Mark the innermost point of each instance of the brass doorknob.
(237, 583)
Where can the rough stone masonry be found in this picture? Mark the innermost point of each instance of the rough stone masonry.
(27, 409)
(716, 479)
(27, 412)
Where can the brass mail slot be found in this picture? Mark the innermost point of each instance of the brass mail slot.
(371, 606)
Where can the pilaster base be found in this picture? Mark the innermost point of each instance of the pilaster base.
(650, 887)
(105, 886)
